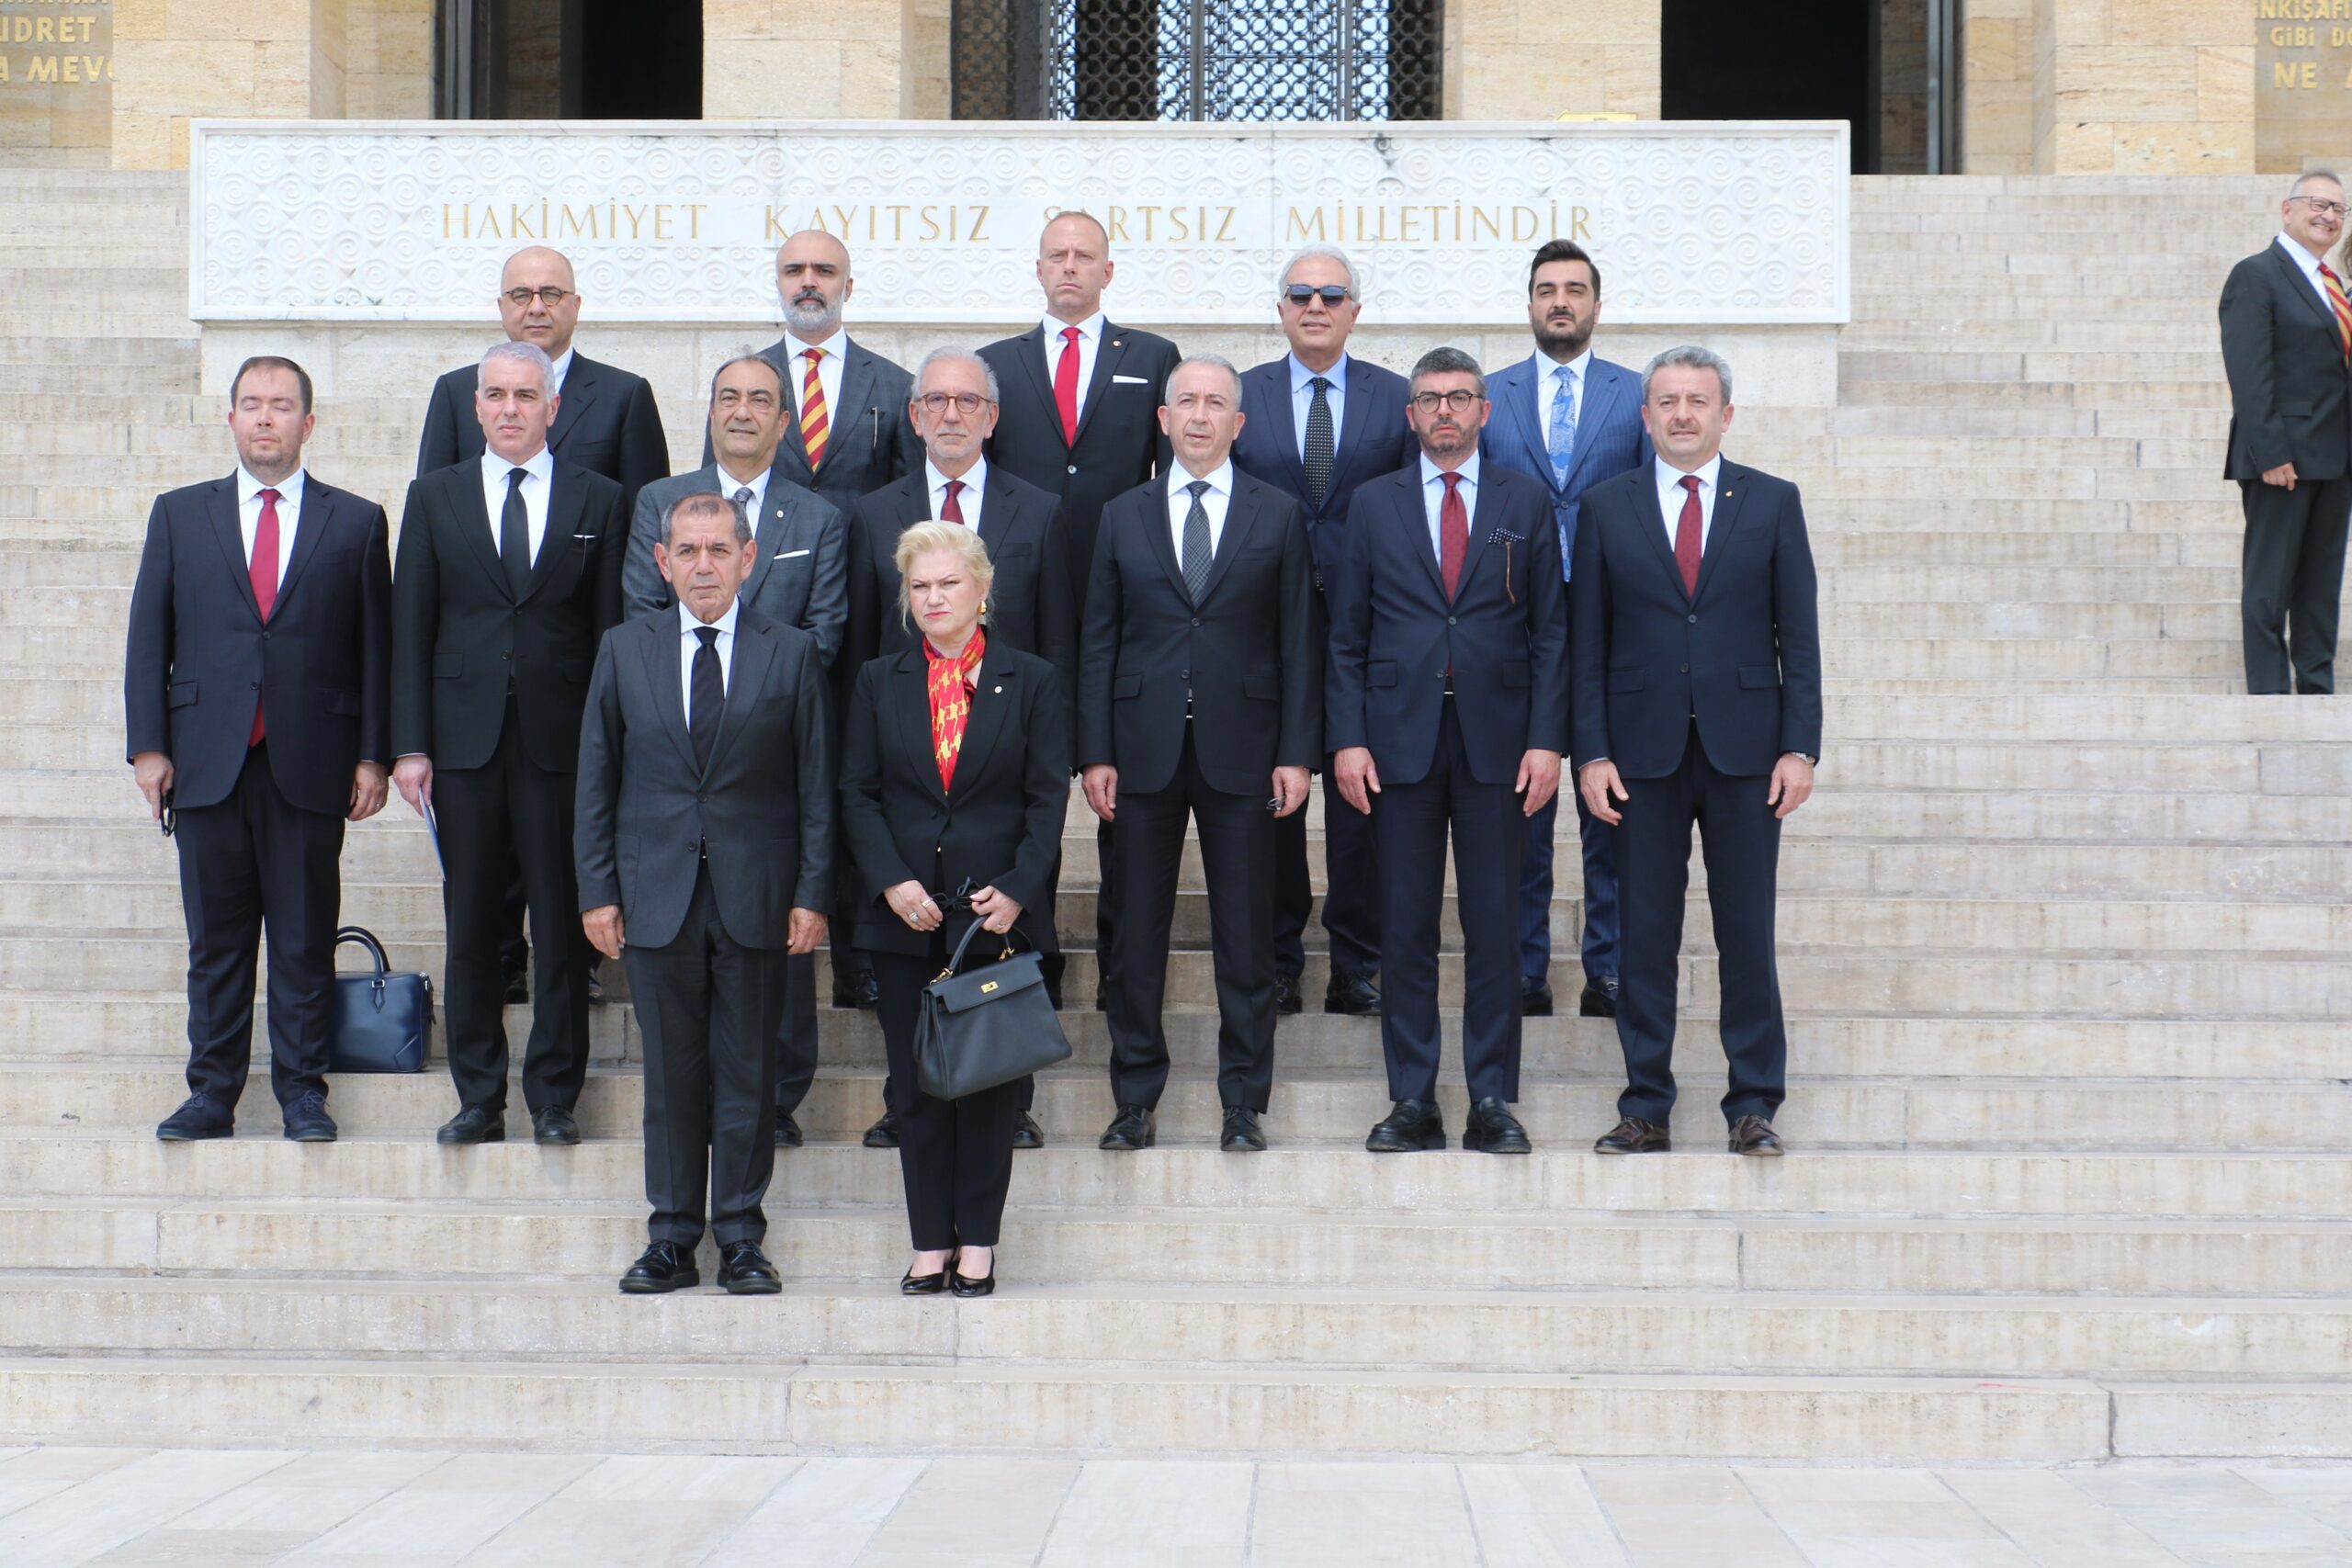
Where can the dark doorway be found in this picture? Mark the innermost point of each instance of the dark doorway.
(568, 60)
(1794, 60)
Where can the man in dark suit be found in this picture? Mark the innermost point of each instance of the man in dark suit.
(258, 702)
(1316, 423)
(799, 578)
(1698, 699)
(1200, 684)
(609, 426)
(2286, 334)
(1569, 420)
(1448, 710)
(704, 855)
(509, 572)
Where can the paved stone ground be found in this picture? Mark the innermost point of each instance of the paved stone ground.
(68, 1505)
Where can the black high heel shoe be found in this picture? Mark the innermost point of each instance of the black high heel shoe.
(913, 1284)
(962, 1284)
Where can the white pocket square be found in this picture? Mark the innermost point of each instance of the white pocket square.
(1133, 380)
(788, 555)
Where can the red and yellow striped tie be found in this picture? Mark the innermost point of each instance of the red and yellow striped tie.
(2340, 305)
(813, 424)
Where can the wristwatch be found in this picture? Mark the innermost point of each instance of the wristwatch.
(1809, 760)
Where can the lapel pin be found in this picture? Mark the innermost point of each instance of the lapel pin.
(999, 690)
(1118, 342)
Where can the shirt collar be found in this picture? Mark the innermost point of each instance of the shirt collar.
(540, 466)
(1300, 374)
(1220, 478)
(974, 477)
(2301, 257)
(688, 622)
(1088, 330)
(834, 347)
(1469, 470)
(728, 484)
(288, 489)
(1709, 473)
(562, 363)
(1581, 367)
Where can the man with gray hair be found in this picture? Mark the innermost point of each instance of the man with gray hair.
(2286, 337)
(508, 574)
(1316, 423)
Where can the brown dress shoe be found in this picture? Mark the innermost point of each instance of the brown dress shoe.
(1633, 1136)
(1753, 1135)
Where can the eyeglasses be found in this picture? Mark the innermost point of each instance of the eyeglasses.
(1300, 293)
(550, 296)
(2327, 208)
(967, 403)
(1459, 400)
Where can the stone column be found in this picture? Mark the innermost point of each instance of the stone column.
(242, 59)
(1539, 59)
(790, 60)
(2142, 86)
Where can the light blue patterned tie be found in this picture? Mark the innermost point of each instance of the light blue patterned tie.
(1562, 444)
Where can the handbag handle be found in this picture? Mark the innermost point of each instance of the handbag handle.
(956, 965)
(362, 937)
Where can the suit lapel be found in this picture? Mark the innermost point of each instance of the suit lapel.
(221, 506)
(857, 379)
(986, 720)
(1481, 543)
(792, 451)
(1513, 395)
(999, 513)
(1731, 493)
(1241, 515)
(662, 667)
(1411, 513)
(1284, 419)
(318, 506)
(911, 702)
(768, 529)
(2300, 288)
(1107, 355)
(1156, 531)
(1600, 395)
(1032, 355)
(566, 511)
(571, 404)
(473, 522)
(747, 676)
(1661, 528)
(1351, 417)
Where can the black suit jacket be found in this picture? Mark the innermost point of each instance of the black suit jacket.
(1119, 444)
(869, 441)
(460, 635)
(646, 813)
(1373, 439)
(1000, 826)
(1743, 654)
(801, 578)
(200, 655)
(1246, 653)
(2291, 392)
(1394, 634)
(605, 423)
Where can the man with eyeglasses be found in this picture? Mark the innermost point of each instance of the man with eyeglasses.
(2287, 343)
(1030, 604)
(1316, 423)
(798, 578)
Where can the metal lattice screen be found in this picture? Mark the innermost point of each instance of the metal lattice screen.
(1191, 60)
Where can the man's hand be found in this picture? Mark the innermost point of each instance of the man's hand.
(367, 793)
(1290, 790)
(805, 932)
(1599, 783)
(154, 772)
(2283, 476)
(913, 906)
(1101, 782)
(1792, 784)
(997, 910)
(1359, 781)
(412, 776)
(1539, 779)
(602, 925)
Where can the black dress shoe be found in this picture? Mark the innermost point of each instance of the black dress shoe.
(787, 1131)
(517, 993)
(1412, 1126)
(1350, 996)
(1287, 998)
(1026, 1134)
(1534, 998)
(962, 1284)
(1492, 1129)
(1753, 1135)
(595, 987)
(1633, 1136)
(1600, 999)
(1242, 1134)
(744, 1271)
(473, 1125)
(858, 989)
(883, 1133)
(553, 1125)
(913, 1284)
(660, 1268)
(200, 1117)
(1130, 1129)
(307, 1121)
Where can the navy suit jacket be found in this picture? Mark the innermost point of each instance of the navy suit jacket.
(1610, 436)
(605, 423)
(1742, 655)
(802, 579)
(200, 655)
(1373, 439)
(1394, 634)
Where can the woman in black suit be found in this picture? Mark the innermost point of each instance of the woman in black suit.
(954, 773)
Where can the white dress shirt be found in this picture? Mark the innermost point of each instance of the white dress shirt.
(1670, 496)
(1433, 498)
(1090, 343)
(829, 375)
(1215, 500)
(562, 368)
(1548, 372)
(689, 645)
(2310, 264)
(539, 478)
(968, 499)
(1302, 398)
(289, 513)
(728, 484)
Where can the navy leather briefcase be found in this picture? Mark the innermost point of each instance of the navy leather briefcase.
(383, 1022)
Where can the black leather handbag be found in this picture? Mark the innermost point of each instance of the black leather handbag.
(986, 1025)
(383, 1022)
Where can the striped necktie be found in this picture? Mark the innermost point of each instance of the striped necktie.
(2341, 306)
(813, 423)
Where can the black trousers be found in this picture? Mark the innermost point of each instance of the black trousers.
(1351, 888)
(796, 1034)
(707, 1007)
(1237, 836)
(1740, 839)
(956, 1155)
(2292, 582)
(254, 861)
(511, 803)
(1489, 830)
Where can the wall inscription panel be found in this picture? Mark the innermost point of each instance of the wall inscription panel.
(343, 221)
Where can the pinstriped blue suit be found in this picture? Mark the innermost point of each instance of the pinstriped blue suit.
(1609, 440)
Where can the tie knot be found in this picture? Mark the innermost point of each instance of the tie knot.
(1320, 383)
(709, 636)
(1688, 482)
(514, 478)
(1451, 482)
(744, 495)
(1070, 336)
(1199, 488)
(812, 354)
(272, 497)
(954, 488)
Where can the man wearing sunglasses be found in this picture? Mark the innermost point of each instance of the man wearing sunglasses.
(1316, 423)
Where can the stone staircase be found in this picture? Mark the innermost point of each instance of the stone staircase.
(2063, 943)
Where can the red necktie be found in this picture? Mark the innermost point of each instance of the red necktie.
(1452, 533)
(2341, 306)
(1065, 386)
(1686, 536)
(950, 510)
(263, 572)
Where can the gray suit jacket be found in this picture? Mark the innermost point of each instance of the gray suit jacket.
(764, 812)
(802, 578)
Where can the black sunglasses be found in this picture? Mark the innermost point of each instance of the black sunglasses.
(1300, 293)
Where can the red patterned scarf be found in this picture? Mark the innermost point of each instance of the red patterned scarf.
(951, 682)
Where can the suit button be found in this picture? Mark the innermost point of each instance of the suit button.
(256, 685)
(518, 611)
(1196, 620)
(505, 655)
(1686, 670)
(1184, 675)
(1694, 620)
(704, 799)
(1449, 620)
(1072, 468)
